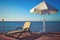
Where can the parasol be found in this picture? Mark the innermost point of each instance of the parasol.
(44, 8)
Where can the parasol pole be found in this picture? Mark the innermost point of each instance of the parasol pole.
(44, 24)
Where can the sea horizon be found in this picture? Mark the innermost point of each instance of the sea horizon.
(36, 26)
(31, 21)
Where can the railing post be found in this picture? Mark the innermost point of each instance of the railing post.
(3, 25)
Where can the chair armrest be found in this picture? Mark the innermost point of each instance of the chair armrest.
(18, 28)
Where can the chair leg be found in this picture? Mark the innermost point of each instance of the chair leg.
(29, 31)
(19, 34)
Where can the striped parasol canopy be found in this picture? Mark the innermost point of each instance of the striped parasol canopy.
(44, 8)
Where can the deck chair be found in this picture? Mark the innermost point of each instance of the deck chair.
(25, 28)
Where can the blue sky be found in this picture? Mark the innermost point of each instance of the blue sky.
(19, 10)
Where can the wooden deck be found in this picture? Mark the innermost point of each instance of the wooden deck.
(34, 36)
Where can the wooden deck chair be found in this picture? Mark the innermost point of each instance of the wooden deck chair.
(25, 28)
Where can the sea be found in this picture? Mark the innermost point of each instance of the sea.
(36, 26)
